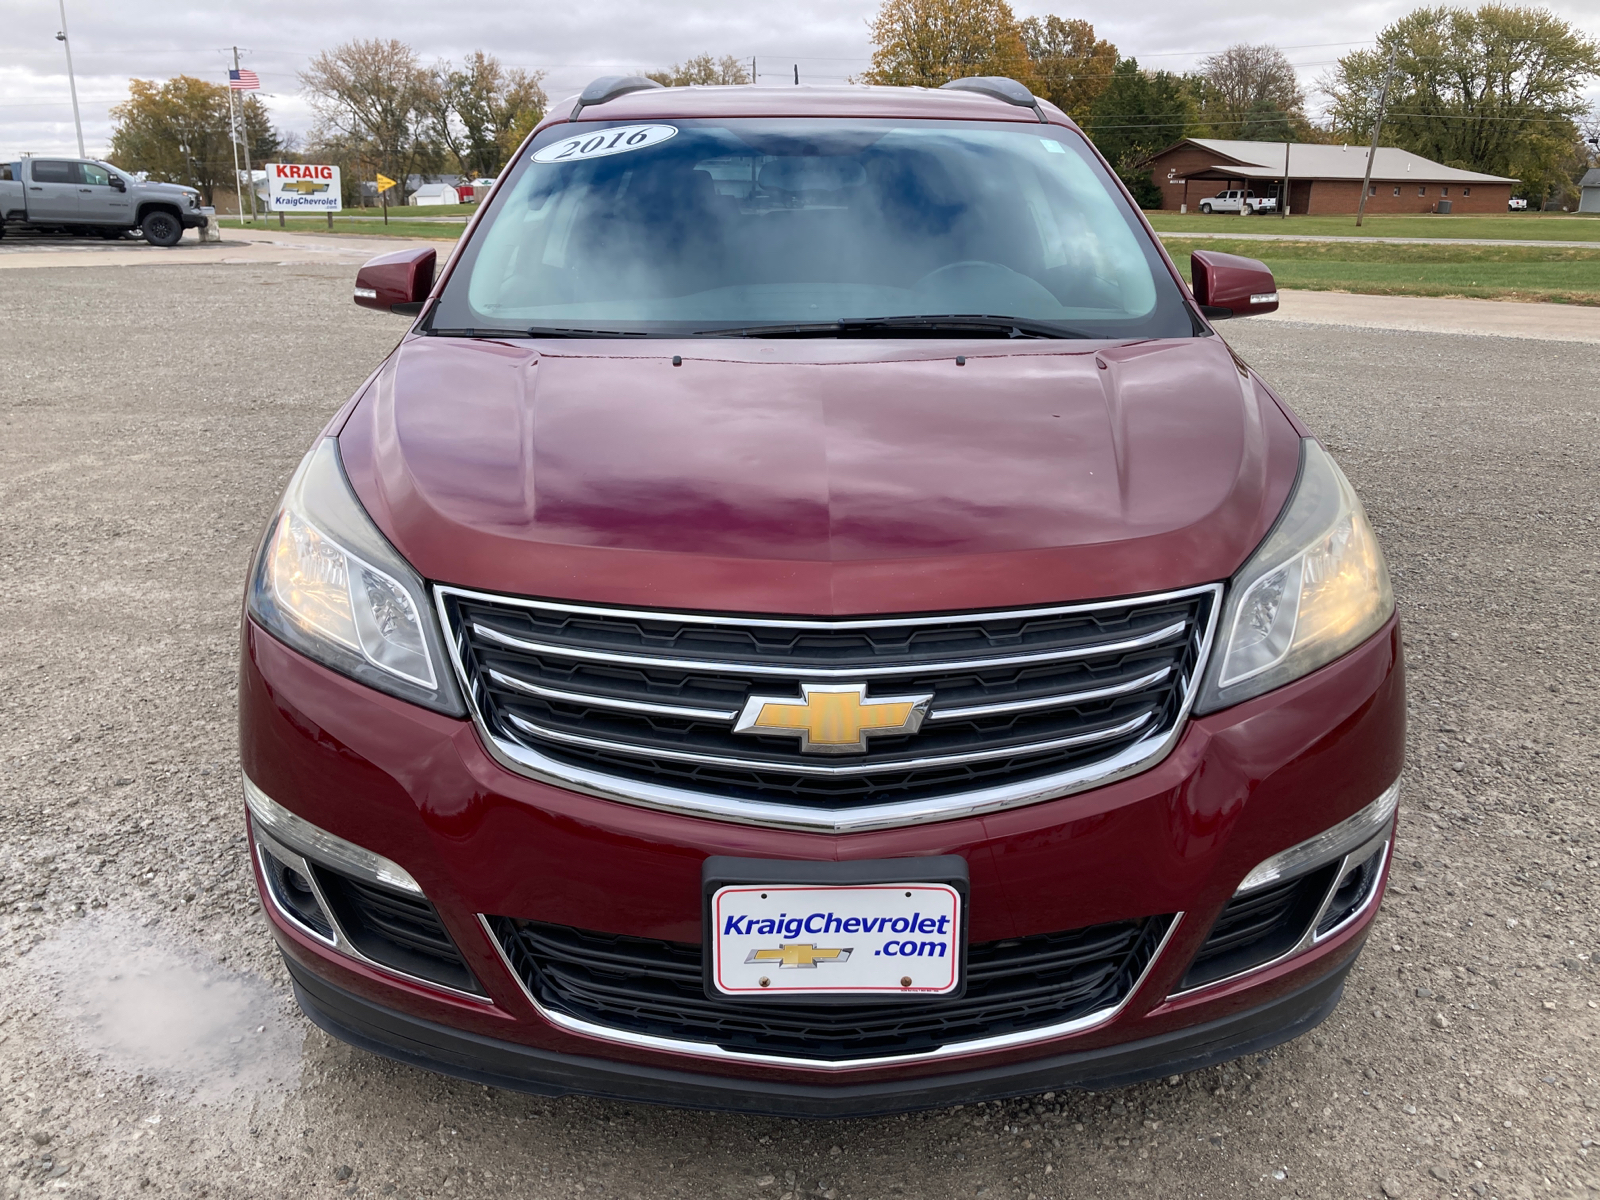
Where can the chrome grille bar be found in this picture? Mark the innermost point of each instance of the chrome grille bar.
(799, 671)
(876, 768)
(603, 701)
(1043, 702)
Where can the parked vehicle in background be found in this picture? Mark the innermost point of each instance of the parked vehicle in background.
(1517, 204)
(1229, 201)
(82, 195)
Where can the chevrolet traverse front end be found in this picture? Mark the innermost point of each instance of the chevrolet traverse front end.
(812, 619)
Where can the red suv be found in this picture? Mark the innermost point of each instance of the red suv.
(812, 619)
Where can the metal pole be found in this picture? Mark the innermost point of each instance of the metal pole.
(244, 121)
(1372, 152)
(233, 137)
(72, 82)
(1283, 195)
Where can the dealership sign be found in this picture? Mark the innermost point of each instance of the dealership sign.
(303, 187)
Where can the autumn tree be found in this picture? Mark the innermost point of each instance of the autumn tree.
(1251, 93)
(703, 69)
(179, 131)
(481, 111)
(927, 43)
(1499, 89)
(1137, 114)
(1071, 66)
(373, 105)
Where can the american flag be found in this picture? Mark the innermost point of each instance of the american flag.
(244, 81)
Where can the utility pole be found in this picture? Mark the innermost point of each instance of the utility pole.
(752, 70)
(72, 82)
(248, 170)
(1372, 152)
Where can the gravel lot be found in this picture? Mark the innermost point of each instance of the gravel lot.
(147, 1040)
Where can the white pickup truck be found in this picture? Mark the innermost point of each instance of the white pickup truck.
(82, 195)
(1229, 201)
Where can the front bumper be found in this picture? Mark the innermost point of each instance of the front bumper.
(419, 789)
(424, 1043)
(194, 220)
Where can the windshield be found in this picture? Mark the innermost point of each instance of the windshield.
(738, 226)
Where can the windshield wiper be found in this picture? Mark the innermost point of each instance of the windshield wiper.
(477, 333)
(931, 326)
(536, 332)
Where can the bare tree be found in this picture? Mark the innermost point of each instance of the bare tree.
(703, 69)
(482, 110)
(372, 99)
(1248, 88)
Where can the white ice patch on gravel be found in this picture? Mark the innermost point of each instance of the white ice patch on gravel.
(137, 1005)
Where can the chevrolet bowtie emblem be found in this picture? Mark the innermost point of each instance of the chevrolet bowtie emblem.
(796, 954)
(833, 718)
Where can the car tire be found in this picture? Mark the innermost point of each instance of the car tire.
(1206, 208)
(161, 228)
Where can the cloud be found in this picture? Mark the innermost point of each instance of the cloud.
(113, 40)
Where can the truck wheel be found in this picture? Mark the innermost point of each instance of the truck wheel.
(161, 229)
(1206, 208)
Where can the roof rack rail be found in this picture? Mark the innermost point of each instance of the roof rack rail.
(1000, 88)
(609, 87)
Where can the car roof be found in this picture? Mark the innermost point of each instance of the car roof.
(806, 100)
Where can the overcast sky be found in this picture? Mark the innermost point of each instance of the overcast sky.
(113, 40)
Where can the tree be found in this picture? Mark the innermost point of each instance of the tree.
(926, 43)
(1139, 113)
(1071, 65)
(1498, 90)
(179, 131)
(703, 69)
(1251, 93)
(372, 100)
(481, 111)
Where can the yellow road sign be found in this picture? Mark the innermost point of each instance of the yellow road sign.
(384, 183)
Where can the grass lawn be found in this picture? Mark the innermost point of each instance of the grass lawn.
(345, 225)
(1562, 275)
(1555, 227)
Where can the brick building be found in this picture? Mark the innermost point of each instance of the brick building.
(1322, 179)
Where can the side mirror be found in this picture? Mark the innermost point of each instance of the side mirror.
(397, 282)
(116, 182)
(1227, 285)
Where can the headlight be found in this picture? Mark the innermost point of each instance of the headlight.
(1316, 588)
(328, 583)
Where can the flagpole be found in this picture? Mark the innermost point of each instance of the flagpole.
(248, 170)
(233, 137)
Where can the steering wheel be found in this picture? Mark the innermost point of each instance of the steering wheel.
(966, 267)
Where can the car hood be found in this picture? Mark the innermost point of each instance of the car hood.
(820, 476)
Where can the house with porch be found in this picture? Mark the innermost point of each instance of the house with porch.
(1321, 179)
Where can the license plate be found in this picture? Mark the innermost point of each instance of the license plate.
(868, 940)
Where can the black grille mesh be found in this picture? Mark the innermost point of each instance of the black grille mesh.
(1260, 926)
(397, 929)
(655, 987)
